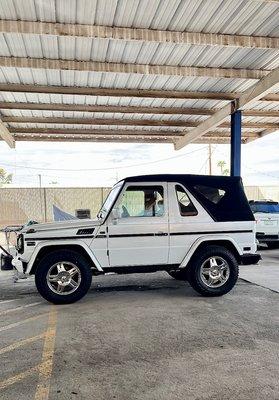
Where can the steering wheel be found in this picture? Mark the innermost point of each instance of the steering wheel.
(125, 212)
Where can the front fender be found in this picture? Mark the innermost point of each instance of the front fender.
(204, 239)
(49, 243)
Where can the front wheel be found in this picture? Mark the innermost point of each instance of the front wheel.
(213, 271)
(63, 277)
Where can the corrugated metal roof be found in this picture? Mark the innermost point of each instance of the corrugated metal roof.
(214, 16)
(240, 17)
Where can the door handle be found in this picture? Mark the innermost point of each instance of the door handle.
(160, 233)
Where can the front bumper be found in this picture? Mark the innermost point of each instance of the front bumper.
(18, 264)
(247, 259)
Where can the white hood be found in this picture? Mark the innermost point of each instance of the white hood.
(70, 224)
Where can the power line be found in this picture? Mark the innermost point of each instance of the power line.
(102, 169)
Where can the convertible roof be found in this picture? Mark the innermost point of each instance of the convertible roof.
(186, 178)
(233, 204)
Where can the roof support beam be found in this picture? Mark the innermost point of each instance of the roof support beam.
(137, 34)
(121, 139)
(6, 135)
(90, 91)
(254, 93)
(126, 122)
(143, 69)
(127, 109)
(115, 132)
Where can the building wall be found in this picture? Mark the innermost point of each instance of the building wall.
(18, 205)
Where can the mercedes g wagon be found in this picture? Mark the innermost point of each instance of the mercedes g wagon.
(196, 228)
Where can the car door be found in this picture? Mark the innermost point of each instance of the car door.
(187, 220)
(139, 234)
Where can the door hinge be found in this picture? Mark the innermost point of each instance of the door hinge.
(107, 252)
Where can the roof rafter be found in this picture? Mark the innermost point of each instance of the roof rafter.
(6, 135)
(143, 69)
(137, 34)
(121, 139)
(127, 109)
(126, 122)
(254, 93)
(144, 93)
(116, 132)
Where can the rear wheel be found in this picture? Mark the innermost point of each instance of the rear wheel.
(63, 276)
(178, 274)
(213, 271)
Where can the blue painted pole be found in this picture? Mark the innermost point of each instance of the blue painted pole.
(236, 143)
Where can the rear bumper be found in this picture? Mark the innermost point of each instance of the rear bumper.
(247, 259)
(267, 238)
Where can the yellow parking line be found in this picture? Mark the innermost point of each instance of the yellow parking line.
(14, 379)
(24, 321)
(20, 343)
(45, 370)
(19, 308)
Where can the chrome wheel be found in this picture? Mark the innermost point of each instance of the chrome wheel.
(215, 272)
(63, 278)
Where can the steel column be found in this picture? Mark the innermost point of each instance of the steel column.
(236, 143)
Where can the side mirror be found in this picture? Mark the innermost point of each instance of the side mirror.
(116, 213)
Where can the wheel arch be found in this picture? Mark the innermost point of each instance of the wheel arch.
(48, 247)
(227, 243)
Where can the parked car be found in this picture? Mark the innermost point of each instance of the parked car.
(266, 213)
(197, 228)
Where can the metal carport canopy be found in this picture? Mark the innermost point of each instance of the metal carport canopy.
(163, 71)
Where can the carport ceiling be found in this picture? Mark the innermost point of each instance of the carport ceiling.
(163, 71)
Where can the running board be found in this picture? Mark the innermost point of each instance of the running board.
(136, 269)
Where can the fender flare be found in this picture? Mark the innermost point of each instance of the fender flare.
(208, 238)
(49, 243)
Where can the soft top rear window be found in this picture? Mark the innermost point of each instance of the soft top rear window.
(210, 193)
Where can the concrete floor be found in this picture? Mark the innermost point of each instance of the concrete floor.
(265, 274)
(144, 337)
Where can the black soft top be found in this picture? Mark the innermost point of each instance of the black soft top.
(233, 206)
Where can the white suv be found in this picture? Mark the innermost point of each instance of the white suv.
(197, 228)
(266, 213)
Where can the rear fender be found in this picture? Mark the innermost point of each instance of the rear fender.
(205, 239)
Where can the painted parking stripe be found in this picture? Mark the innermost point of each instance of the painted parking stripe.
(21, 343)
(16, 378)
(7, 301)
(24, 321)
(45, 371)
(19, 308)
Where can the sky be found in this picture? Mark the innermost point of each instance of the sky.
(103, 164)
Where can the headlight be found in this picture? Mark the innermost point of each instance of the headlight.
(20, 243)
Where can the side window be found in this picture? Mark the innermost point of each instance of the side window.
(142, 201)
(210, 193)
(186, 207)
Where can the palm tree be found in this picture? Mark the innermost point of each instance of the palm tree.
(221, 164)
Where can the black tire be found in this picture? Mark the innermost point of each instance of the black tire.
(67, 256)
(179, 274)
(194, 271)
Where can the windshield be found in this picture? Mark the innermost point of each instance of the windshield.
(110, 200)
(272, 208)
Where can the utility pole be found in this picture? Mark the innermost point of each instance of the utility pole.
(41, 197)
(210, 159)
